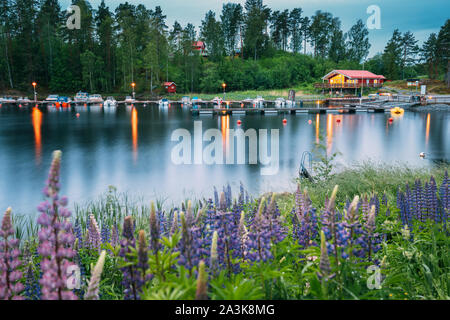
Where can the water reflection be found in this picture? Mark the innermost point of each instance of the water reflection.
(134, 132)
(100, 150)
(224, 126)
(317, 128)
(36, 117)
(329, 133)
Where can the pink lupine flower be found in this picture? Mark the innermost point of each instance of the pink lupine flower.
(10, 287)
(55, 238)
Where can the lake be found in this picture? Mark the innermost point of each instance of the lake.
(131, 148)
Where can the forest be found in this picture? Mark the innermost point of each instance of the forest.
(249, 47)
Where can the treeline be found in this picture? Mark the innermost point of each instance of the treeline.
(249, 47)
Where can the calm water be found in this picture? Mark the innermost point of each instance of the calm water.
(131, 148)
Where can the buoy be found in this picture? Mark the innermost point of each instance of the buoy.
(284, 121)
(422, 155)
(20, 105)
(239, 122)
(242, 105)
(64, 104)
(310, 121)
(338, 120)
(78, 115)
(85, 105)
(390, 119)
(57, 104)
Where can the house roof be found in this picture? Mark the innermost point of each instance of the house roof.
(167, 84)
(354, 74)
(198, 44)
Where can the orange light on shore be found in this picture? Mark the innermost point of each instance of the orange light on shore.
(224, 85)
(133, 84)
(427, 132)
(34, 84)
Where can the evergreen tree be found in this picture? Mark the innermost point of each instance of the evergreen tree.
(231, 18)
(295, 24)
(358, 42)
(392, 56)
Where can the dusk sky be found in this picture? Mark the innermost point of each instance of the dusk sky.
(422, 17)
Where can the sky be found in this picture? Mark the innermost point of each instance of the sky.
(421, 17)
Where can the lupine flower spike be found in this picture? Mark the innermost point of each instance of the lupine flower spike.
(202, 282)
(94, 283)
(10, 287)
(56, 238)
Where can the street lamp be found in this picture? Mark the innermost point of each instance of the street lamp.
(224, 85)
(133, 85)
(34, 87)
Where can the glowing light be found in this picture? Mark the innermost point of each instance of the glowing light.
(36, 118)
(239, 122)
(133, 84)
(134, 132)
(284, 121)
(34, 84)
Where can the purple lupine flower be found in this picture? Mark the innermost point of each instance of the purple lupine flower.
(10, 286)
(216, 197)
(94, 236)
(105, 233)
(56, 238)
(154, 230)
(142, 265)
(131, 279)
(115, 236)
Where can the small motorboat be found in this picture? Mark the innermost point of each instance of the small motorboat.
(64, 99)
(258, 102)
(81, 97)
(280, 103)
(110, 102)
(95, 98)
(397, 110)
(24, 100)
(163, 103)
(186, 100)
(52, 98)
(7, 100)
(129, 99)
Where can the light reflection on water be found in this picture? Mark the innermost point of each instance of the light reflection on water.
(131, 148)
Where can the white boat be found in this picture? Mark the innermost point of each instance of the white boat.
(258, 102)
(23, 100)
(52, 98)
(163, 103)
(95, 98)
(217, 102)
(81, 97)
(7, 100)
(129, 99)
(280, 103)
(186, 100)
(110, 102)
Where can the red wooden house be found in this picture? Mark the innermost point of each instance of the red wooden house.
(351, 79)
(170, 87)
(200, 47)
